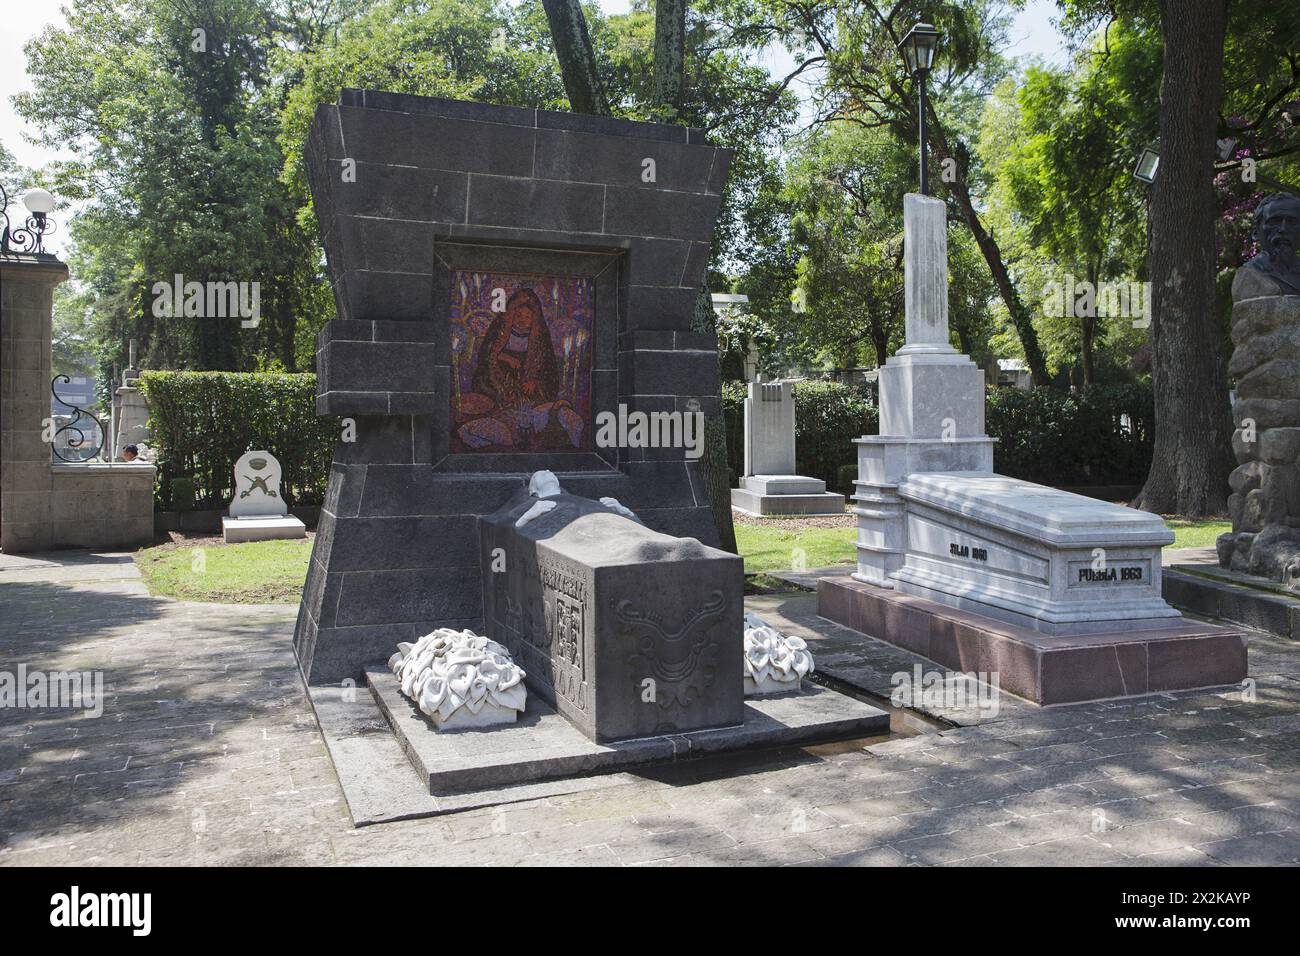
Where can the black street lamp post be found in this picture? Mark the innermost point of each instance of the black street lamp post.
(918, 51)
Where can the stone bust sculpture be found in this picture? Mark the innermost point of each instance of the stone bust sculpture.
(1276, 269)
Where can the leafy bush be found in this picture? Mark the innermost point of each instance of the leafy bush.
(182, 494)
(1101, 436)
(848, 475)
(828, 416)
(203, 421)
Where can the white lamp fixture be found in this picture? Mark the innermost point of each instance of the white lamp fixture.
(38, 202)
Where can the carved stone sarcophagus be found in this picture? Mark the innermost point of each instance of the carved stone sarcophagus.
(627, 632)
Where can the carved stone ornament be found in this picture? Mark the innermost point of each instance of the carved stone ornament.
(775, 663)
(460, 679)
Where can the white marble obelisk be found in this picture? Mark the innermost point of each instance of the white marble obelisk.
(931, 400)
(925, 275)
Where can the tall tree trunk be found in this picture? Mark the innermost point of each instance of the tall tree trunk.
(670, 86)
(880, 342)
(670, 57)
(1088, 326)
(1019, 312)
(586, 95)
(1193, 429)
(1088, 336)
(577, 58)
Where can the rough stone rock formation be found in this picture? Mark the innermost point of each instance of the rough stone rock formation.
(1265, 499)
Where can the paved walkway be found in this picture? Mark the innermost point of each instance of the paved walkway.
(207, 753)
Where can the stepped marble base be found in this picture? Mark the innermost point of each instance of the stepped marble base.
(234, 530)
(785, 495)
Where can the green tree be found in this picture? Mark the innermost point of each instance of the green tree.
(1219, 62)
(849, 51)
(174, 117)
(671, 67)
(479, 50)
(827, 276)
(1060, 156)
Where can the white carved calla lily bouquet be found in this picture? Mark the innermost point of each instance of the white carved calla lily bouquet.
(775, 663)
(459, 678)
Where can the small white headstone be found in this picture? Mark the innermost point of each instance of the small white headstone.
(257, 487)
(769, 429)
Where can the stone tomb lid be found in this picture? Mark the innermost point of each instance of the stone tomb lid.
(1049, 515)
(599, 533)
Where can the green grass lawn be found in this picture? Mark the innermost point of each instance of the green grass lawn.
(770, 547)
(1196, 532)
(267, 572)
(255, 572)
(775, 546)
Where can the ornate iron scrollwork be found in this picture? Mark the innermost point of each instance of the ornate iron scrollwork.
(78, 437)
(27, 238)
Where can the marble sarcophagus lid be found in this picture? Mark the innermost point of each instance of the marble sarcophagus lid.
(1042, 558)
(626, 631)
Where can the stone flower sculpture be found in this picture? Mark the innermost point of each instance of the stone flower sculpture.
(774, 663)
(1265, 499)
(460, 679)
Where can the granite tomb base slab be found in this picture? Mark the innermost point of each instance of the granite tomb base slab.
(1043, 668)
(543, 745)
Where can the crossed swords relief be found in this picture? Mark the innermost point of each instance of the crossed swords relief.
(255, 484)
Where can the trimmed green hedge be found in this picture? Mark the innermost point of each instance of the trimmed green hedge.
(828, 416)
(1101, 436)
(1061, 439)
(203, 421)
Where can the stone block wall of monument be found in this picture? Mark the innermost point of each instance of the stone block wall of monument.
(413, 195)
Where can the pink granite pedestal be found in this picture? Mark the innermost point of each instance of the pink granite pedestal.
(1039, 667)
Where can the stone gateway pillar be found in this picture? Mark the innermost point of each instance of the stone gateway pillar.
(26, 315)
(47, 504)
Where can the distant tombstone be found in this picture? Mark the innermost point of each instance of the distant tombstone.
(257, 486)
(769, 485)
(257, 508)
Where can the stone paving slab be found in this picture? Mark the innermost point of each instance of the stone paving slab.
(378, 781)
(209, 753)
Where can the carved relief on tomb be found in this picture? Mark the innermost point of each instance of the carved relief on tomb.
(563, 595)
(682, 660)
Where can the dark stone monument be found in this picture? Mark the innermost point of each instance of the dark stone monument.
(625, 631)
(448, 227)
